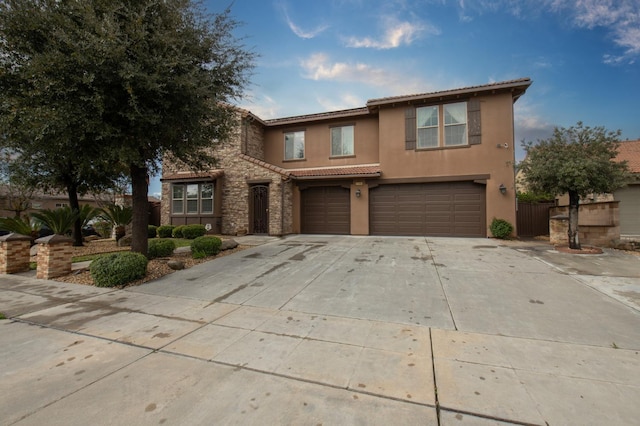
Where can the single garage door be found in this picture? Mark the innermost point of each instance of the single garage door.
(455, 209)
(326, 210)
(629, 198)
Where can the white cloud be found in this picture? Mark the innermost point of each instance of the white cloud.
(395, 33)
(621, 18)
(297, 30)
(345, 101)
(265, 108)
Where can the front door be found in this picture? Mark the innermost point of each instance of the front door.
(259, 209)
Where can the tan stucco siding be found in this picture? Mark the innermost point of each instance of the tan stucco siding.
(484, 159)
(318, 144)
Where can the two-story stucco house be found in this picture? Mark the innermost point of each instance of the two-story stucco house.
(437, 164)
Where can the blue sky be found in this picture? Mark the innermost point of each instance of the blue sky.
(322, 55)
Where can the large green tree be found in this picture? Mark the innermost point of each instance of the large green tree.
(578, 160)
(51, 108)
(150, 76)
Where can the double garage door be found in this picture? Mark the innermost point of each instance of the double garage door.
(455, 209)
(436, 209)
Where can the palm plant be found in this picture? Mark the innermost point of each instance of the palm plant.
(88, 213)
(119, 216)
(60, 220)
(20, 226)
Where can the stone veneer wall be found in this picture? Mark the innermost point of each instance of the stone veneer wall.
(598, 224)
(14, 253)
(54, 256)
(238, 173)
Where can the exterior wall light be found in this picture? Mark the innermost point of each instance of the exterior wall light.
(502, 188)
(358, 193)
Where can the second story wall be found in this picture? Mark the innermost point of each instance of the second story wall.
(496, 127)
(318, 148)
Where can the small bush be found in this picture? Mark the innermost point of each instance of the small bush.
(118, 269)
(193, 231)
(164, 231)
(177, 231)
(160, 248)
(152, 231)
(500, 228)
(205, 246)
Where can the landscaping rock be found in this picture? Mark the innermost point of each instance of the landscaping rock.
(124, 241)
(176, 265)
(228, 245)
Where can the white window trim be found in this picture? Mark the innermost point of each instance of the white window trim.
(304, 147)
(353, 140)
(442, 126)
(184, 199)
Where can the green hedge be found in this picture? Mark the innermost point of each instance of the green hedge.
(193, 231)
(152, 231)
(205, 246)
(177, 231)
(500, 228)
(165, 231)
(160, 248)
(118, 269)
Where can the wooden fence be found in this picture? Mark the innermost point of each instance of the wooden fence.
(532, 219)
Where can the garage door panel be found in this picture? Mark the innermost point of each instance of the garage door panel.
(437, 209)
(326, 210)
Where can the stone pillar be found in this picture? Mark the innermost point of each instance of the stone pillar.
(54, 256)
(559, 229)
(14, 253)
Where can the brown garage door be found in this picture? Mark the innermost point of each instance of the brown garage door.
(326, 210)
(455, 209)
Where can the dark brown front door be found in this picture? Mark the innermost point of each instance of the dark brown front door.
(259, 209)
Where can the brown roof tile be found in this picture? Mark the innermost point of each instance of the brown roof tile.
(212, 174)
(370, 170)
(630, 151)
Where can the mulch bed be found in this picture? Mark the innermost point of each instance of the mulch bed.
(584, 250)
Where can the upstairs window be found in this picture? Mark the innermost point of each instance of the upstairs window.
(341, 141)
(428, 128)
(441, 125)
(294, 145)
(455, 124)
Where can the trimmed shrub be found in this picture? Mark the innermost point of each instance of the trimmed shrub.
(500, 228)
(152, 231)
(118, 269)
(205, 246)
(177, 231)
(160, 248)
(164, 231)
(193, 231)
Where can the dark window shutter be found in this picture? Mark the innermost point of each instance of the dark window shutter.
(410, 128)
(473, 121)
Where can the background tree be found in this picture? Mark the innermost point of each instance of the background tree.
(142, 78)
(578, 160)
(15, 194)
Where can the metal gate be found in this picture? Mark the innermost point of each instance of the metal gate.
(259, 209)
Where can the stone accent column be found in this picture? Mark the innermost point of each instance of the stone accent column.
(14, 253)
(559, 229)
(54, 256)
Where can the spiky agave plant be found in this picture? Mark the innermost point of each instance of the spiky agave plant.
(20, 226)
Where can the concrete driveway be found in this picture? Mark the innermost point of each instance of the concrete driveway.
(334, 330)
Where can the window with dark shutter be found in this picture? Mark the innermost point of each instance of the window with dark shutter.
(473, 120)
(410, 128)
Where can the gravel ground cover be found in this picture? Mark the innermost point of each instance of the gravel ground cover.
(156, 268)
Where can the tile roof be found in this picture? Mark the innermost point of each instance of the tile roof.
(211, 174)
(520, 84)
(630, 151)
(345, 113)
(268, 166)
(368, 170)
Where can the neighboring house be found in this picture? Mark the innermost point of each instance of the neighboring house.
(629, 196)
(40, 201)
(438, 164)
